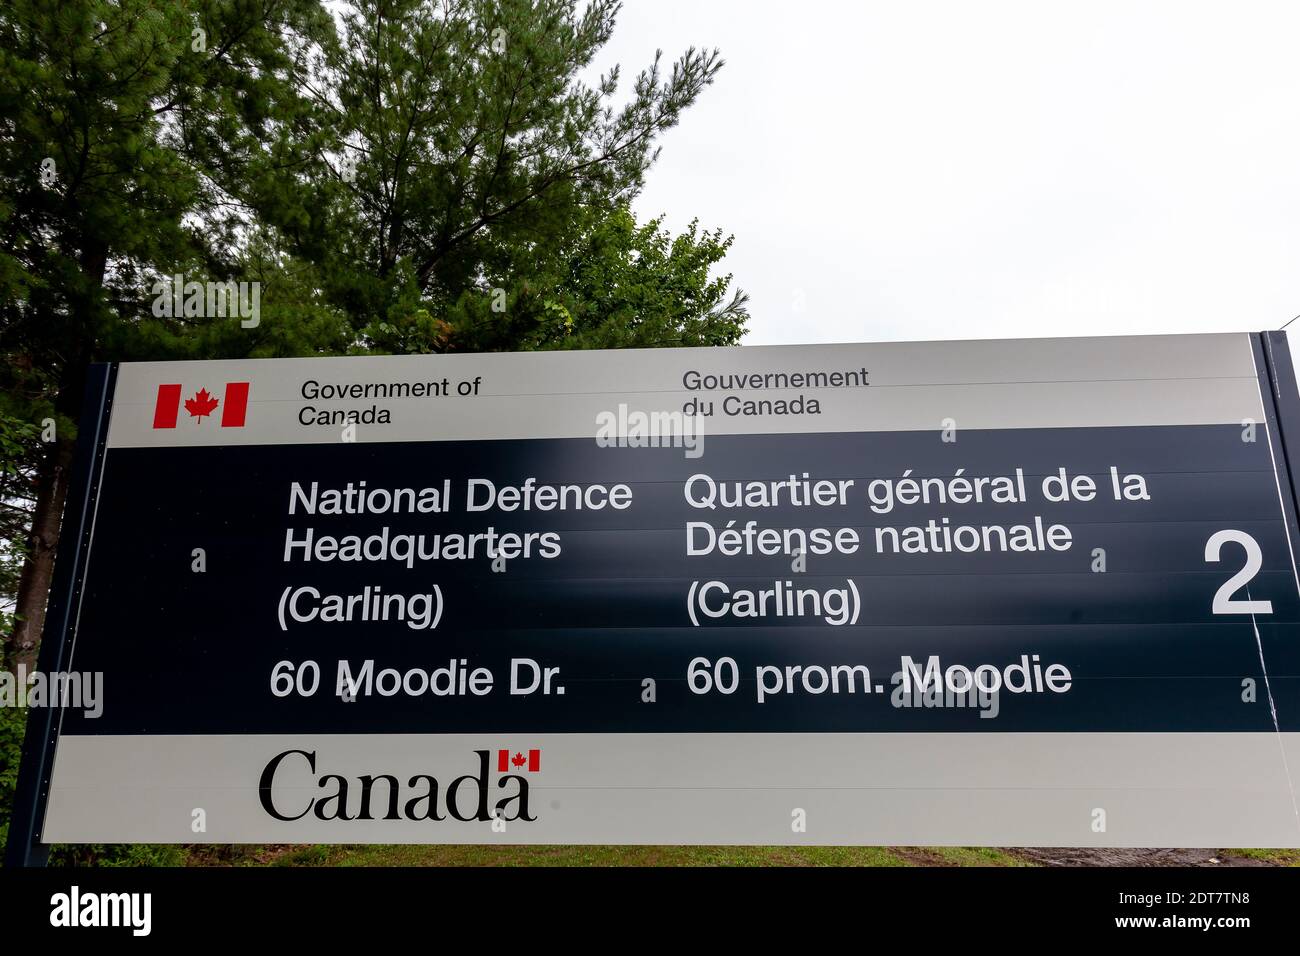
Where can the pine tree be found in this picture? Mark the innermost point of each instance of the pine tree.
(469, 151)
(125, 123)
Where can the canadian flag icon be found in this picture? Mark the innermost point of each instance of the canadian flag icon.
(233, 405)
(507, 761)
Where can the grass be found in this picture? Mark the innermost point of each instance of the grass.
(472, 855)
(1274, 857)
(367, 855)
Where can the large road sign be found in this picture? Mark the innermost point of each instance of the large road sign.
(1037, 592)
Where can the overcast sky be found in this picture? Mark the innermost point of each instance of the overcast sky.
(918, 170)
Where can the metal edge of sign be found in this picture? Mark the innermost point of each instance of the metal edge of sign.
(24, 846)
(1286, 399)
(1281, 418)
(1278, 387)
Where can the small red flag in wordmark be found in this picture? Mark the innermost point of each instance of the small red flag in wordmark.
(233, 405)
(507, 761)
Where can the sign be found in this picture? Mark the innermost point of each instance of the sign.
(1037, 592)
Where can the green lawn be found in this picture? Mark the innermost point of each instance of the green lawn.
(462, 855)
(329, 855)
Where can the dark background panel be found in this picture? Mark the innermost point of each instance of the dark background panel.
(193, 653)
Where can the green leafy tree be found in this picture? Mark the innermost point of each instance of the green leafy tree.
(615, 284)
(135, 134)
(469, 149)
(19, 450)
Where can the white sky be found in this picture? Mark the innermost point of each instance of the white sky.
(918, 170)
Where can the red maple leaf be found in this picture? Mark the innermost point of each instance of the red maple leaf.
(201, 404)
(519, 760)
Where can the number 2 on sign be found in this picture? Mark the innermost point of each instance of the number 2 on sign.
(1224, 603)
